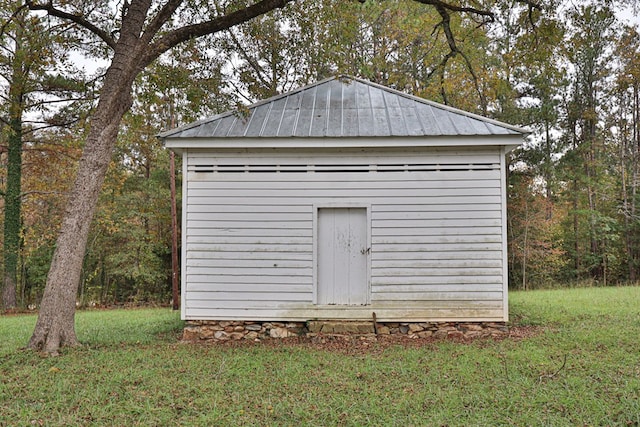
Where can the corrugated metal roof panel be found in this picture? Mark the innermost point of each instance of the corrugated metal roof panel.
(289, 116)
(343, 107)
(224, 124)
(274, 116)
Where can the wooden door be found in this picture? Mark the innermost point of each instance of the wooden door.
(342, 256)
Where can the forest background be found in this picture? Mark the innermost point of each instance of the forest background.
(569, 71)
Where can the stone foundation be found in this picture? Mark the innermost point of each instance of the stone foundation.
(223, 330)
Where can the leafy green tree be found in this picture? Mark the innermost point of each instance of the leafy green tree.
(536, 256)
(588, 50)
(625, 121)
(49, 162)
(36, 80)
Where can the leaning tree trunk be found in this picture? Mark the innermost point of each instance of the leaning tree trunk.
(55, 326)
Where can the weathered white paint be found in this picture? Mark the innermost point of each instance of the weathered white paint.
(342, 256)
(434, 222)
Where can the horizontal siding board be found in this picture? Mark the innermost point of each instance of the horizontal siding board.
(438, 247)
(233, 209)
(266, 280)
(442, 311)
(436, 263)
(249, 287)
(435, 255)
(439, 223)
(233, 271)
(242, 256)
(429, 178)
(248, 216)
(426, 232)
(302, 182)
(481, 209)
(247, 263)
(294, 303)
(246, 225)
(246, 304)
(441, 287)
(436, 296)
(252, 247)
(228, 297)
(440, 239)
(422, 215)
(253, 232)
(427, 280)
(348, 192)
(310, 201)
(434, 272)
(209, 236)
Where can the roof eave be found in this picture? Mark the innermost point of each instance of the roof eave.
(508, 141)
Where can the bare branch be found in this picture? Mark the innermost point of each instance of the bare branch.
(252, 62)
(487, 15)
(158, 21)
(78, 19)
(213, 26)
(564, 363)
(43, 102)
(239, 92)
(446, 27)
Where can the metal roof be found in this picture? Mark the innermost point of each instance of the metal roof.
(343, 106)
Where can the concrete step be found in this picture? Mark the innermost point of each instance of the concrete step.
(340, 327)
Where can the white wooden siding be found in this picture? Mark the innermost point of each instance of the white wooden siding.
(437, 237)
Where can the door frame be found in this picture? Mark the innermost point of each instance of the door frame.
(340, 205)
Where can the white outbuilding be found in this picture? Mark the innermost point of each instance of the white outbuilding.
(343, 199)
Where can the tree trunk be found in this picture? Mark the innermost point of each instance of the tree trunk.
(632, 150)
(12, 199)
(55, 326)
(12, 216)
(525, 244)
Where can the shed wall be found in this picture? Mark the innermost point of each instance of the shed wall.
(435, 219)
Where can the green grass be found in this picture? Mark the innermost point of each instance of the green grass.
(132, 371)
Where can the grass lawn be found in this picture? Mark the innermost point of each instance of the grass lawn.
(582, 367)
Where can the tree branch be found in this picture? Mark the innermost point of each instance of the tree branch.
(564, 363)
(439, 4)
(11, 18)
(187, 32)
(158, 21)
(476, 84)
(252, 63)
(78, 19)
